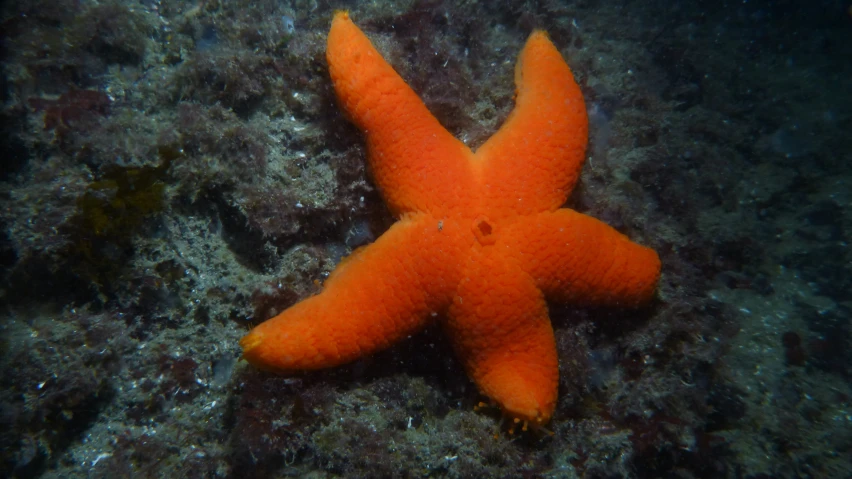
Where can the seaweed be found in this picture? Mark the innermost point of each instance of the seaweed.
(111, 211)
(72, 110)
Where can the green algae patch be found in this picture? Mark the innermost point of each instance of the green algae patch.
(113, 210)
(117, 204)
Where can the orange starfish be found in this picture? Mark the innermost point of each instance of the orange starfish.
(481, 240)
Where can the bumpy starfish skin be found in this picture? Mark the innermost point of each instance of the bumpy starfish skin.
(481, 240)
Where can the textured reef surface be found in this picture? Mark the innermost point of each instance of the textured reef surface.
(175, 172)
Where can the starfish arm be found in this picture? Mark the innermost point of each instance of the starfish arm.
(415, 162)
(532, 163)
(500, 329)
(576, 258)
(375, 297)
